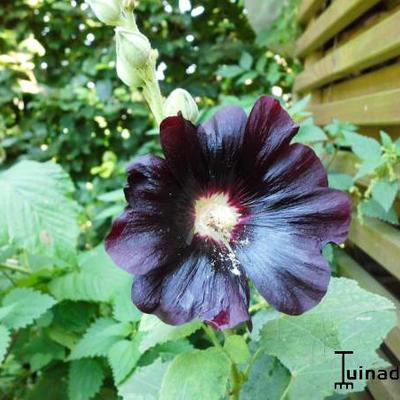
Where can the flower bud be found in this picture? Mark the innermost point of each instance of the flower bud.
(107, 11)
(180, 100)
(129, 76)
(133, 48)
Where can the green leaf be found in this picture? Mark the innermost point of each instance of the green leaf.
(26, 306)
(84, 379)
(201, 374)
(384, 192)
(36, 211)
(97, 280)
(247, 76)
(246, 61)
(230, 71)
(144, 383)
(309, 133)
(348, 318)
(364, 147)
(99, 338)
(267, 376)
(123, 357)
(5, 338)
(237, 348)
(373, 209)
(41, 351)
(156, 332)
(123, 308)
(386, 139)
(273, 74)
(340, 181)
(367, 167)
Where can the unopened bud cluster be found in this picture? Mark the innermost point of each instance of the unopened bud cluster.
(136, 60)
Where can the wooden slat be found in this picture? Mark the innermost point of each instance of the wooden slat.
(385, 390)
(335, 18)
(376, 45)
(380, 241)
(387, 78)
(374, 109)
(308, 8)
(351, 269)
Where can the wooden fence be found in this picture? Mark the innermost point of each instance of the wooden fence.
(351, 53)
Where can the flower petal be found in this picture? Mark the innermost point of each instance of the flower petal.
(194, 288)
(182, 150)
(288, 270)
(285, 234)
(269, 130)
(157, 223)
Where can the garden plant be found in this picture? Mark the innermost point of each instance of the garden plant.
(169, 216)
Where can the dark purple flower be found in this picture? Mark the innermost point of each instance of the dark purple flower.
(232, 200)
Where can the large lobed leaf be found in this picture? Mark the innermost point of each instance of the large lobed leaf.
(36, 209)
(349, 318)
(200, 374)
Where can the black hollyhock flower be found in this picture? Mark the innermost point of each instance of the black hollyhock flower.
(232, 200)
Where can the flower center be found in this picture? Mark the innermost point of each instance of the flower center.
(215, 218)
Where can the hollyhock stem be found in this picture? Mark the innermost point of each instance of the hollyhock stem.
(152, 93)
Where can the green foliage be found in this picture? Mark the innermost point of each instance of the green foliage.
(99, 338)
(36, 211)
(68, 127)
(156, 332)
(195, 375)
(237, 349)
(268, 376)
(347, 318)
(145, 383)
(85, 379)
(123, 356)
(4, 341)
(22, 306)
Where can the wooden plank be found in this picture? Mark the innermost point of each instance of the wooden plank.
(351, 269)
(334, 19)
(307, 9)
(377, 109)
(380, 241)
(387, 78)
(374, 46)
(385, 390)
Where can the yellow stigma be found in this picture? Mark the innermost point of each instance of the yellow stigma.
(215, 217)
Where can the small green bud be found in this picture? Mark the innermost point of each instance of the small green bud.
(180, 100)
(107, 11)
(129, 76)
(133, 48)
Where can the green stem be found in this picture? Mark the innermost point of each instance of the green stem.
(152, 95)
(16, 268)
